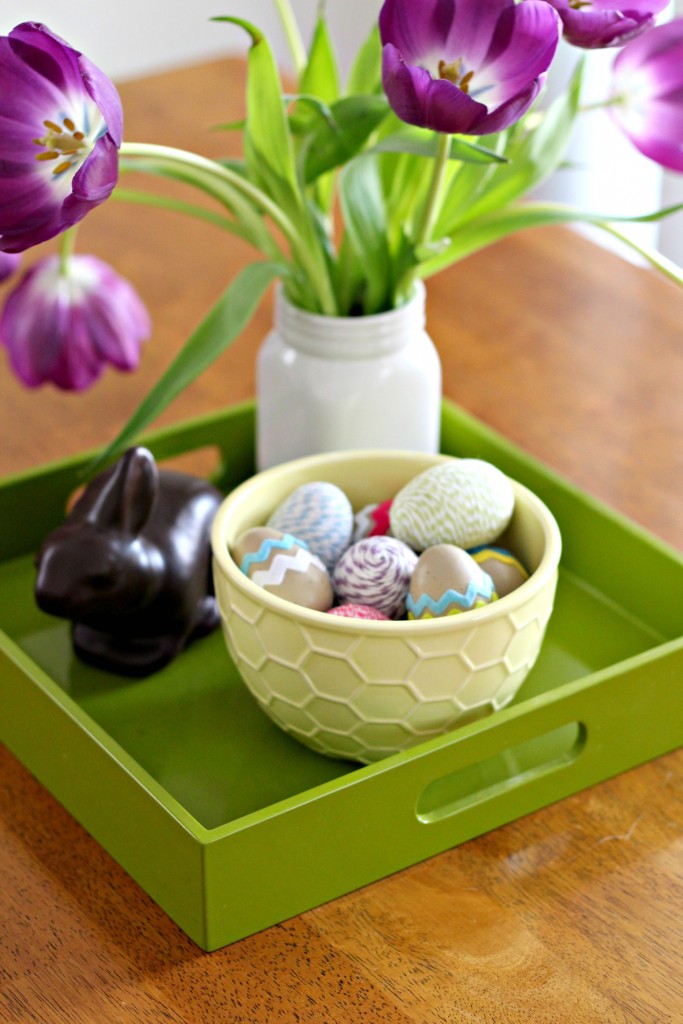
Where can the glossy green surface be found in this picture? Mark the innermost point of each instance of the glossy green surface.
(232, 825)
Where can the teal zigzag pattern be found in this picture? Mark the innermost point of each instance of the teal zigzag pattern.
(284, 543)
(484, 591)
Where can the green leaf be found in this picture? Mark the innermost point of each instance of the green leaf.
(365, 219)
(534, 152)
(230, 126)
(224, 323)
(249, 218)
(419, 142)
(267, 140)
(320, 76)
(501, 223)
(466, 185)
(366, 72)
(305, 111)
(333, 143)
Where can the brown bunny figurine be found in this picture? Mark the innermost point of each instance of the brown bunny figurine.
(131, 566)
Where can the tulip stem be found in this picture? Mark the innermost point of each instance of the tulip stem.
(432, 202)
(67, 244)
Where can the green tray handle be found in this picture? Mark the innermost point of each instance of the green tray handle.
(525, 757)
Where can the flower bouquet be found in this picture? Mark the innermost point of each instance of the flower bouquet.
(349, 193)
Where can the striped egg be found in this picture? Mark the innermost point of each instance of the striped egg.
(375, 571)
(466, 502)
(506, 571)
(447, 581)
(320, 514)
(283, 565)
(371, 521)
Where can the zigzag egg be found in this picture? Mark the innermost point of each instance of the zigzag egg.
(462, 501)
(319, 514)
(447, 581)
(283, 565)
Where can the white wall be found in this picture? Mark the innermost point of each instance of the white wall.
(128, 38)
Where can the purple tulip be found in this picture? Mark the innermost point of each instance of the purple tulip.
(647, 93)
(598, 23)
(464, 66)
(8, 264)
(65, 327)
(62, 124)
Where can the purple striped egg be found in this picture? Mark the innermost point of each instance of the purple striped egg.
(375, 571)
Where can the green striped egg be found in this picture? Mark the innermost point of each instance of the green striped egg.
(466, 502)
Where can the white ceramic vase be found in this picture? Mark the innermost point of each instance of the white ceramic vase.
(334, 383)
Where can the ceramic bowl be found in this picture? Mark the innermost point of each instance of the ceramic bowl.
(364, 690)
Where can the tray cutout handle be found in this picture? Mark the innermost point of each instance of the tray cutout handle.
(501, 773)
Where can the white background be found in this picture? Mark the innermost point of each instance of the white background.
(129, 38)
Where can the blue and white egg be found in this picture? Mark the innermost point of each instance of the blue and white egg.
(320, 514)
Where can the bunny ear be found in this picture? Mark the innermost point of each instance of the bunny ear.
(126, 492)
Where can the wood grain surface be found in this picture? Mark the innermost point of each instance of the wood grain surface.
(572, 914)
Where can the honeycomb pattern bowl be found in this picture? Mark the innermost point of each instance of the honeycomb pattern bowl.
(363, 690)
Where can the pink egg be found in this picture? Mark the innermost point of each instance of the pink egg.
(358, 611)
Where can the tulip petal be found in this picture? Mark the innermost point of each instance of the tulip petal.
(601, 24)
(462, 66)
(8, 264)
(105, 96)
(473, 28)
(66, 327)
(522, 48)
(49, 57)
(60, 128)
(648, 94)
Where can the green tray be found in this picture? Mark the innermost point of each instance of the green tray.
(232, 826)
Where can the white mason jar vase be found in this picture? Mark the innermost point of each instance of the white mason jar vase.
(331, 383)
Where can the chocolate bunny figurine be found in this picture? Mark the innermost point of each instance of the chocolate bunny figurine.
(131, 566)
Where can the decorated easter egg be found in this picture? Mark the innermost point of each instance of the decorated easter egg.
(283, 565)
(358, 611)
(466, 502)
(375, 571)
(320, 514)
(506, 571)
(371, 521)
(447, 581)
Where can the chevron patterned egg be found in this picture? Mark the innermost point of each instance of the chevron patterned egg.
(283, 565)
(506, 571)
(320, 514)
(447, 581)
(466, 502)
(375, 571)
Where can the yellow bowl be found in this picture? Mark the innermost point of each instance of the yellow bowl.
(351, 688)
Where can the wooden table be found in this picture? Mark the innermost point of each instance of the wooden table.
(572, 914)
